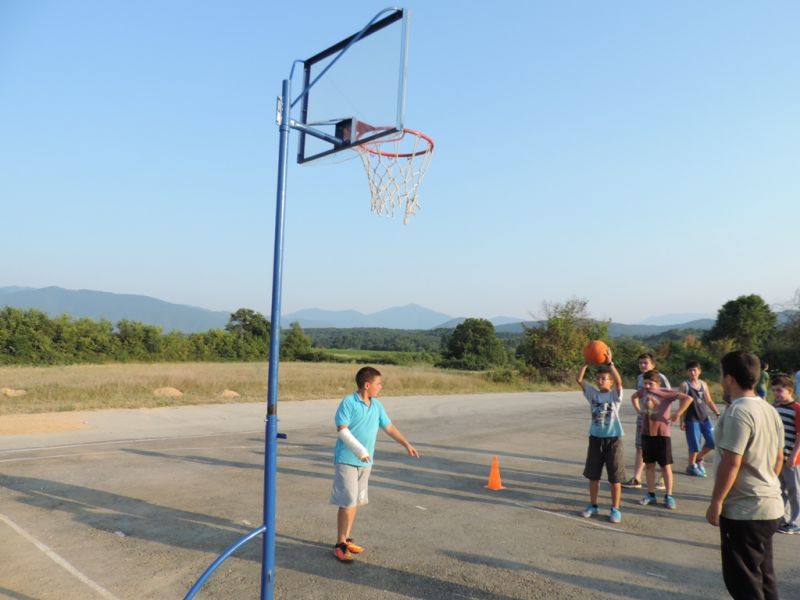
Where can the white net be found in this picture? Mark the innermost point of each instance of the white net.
(395, 169)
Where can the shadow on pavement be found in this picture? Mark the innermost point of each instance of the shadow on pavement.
(316, 559)
(591, 584)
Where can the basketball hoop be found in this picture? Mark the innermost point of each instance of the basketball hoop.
(395, 167)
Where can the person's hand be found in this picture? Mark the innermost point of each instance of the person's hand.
(608, 356)
(412, 451)
(674, 418)
(364, 458)
(683, 426)
(713, 512)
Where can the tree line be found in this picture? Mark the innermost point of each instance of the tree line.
(550, 351)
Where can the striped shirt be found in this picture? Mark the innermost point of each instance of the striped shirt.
(790, 416)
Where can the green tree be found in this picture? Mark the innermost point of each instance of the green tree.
(553, 351)
(748, 321)
(295, 344)
(474, 346)
(248, 322)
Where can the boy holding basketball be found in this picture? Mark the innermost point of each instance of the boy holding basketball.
(653, 403)
(358, 419)
(605, 431)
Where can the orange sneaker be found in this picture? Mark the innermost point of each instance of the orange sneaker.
(353, 547)
(341, 552)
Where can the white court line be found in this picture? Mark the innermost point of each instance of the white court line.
(129, 441)
(82, 454)
(58, 559)
(571, 518)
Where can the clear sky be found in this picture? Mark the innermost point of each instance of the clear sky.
(644, 156)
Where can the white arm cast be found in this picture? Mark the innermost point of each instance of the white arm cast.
(353, 444)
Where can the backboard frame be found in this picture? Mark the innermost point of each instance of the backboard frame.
(305, 128)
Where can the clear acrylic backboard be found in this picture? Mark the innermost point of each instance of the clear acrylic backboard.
(361, 96)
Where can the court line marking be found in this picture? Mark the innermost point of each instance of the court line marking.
(105, 452)
(60, 561)
(129, 441)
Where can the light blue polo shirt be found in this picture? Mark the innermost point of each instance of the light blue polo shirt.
(363, 422)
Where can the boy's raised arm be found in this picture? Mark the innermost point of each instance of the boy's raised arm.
(615, 374)
(581, 374)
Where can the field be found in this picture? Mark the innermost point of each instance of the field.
(130, 385)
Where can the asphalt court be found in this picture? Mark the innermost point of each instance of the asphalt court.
(138, 503)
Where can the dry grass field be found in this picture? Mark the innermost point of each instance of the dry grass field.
(87, 387)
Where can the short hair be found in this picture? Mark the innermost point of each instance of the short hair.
(744, 367)
(366, 375)
(602, 369)
(693, 364)
(783, 380)
(647, 355)
(652, 375)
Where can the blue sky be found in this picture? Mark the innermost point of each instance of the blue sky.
(642, 156)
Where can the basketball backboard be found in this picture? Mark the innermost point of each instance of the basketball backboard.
(361, 96)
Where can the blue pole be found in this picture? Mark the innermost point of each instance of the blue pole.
(220, 559)
(271, 439)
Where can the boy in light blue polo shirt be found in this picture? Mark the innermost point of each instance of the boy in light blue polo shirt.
(358, 419)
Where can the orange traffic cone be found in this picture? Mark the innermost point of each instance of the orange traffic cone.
(494, 476)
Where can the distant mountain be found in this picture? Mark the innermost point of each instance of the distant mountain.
(616, 330)
(676, 319)
(410, 316)
(498, 322)
(96, 305)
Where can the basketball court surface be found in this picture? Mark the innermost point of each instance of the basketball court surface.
(136, 504)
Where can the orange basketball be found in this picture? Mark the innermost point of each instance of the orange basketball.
(595, 352)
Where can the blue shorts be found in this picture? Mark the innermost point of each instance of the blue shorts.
(696, 432)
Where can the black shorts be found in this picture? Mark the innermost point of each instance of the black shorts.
(608, 452)
(657, 449)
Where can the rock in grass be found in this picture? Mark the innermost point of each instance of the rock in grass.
(167, 392)
(12, 393)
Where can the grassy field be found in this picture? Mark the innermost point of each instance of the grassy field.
(88, 387)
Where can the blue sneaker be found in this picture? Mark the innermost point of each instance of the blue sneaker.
(669, 502)
(648, 499)
(692, 471)
(590, 510)
(701, 470)
(615, 516)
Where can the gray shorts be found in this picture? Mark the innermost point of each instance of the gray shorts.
(350, 485)
(604, 452)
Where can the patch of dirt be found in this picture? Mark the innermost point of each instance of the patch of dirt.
(229, 394)
(40, 423)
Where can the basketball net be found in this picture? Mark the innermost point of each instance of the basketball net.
(395, 169)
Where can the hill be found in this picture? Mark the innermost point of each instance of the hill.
(410, 316)
(56, 301)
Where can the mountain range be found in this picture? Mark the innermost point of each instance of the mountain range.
(98, 305)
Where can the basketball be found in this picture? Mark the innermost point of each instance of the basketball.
(595, 352)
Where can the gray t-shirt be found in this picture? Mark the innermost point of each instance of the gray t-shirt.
(752, 428)
(605, 411)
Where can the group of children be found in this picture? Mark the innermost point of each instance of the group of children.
(653, 402)
(360, 415)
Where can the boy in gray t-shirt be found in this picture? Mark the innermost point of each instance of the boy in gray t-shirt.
(605, 431)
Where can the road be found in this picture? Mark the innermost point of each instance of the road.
(135, 504)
